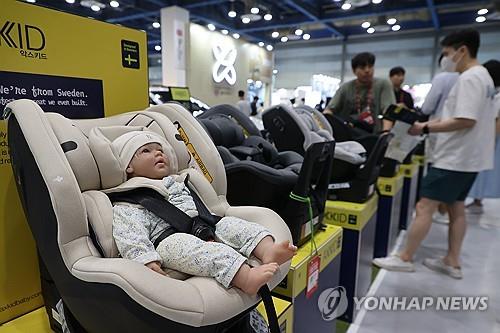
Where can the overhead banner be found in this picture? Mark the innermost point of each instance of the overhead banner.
(72, 65)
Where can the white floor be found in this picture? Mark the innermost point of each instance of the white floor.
(481, 269)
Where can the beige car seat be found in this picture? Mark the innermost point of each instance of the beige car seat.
(83, 279)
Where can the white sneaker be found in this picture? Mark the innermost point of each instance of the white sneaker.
(440, 218)
(394, 263)
(438, 265)
(474, 209)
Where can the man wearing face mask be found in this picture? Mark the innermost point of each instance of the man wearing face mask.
(464, 146)
(362, 100)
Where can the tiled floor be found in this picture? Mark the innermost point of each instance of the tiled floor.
(481, 269)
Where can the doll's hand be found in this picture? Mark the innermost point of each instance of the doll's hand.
(155, 266)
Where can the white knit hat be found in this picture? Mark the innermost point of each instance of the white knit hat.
(127, 144)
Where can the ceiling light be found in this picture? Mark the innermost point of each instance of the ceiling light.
(70, 1)
(391, 21)
(236, 35)
(275, 71)
(480, 19)
(284, 39)
(231, 13)
(95, 8)
(275, 34)
(483, 11)
(346, 6)
(306, 36)
(269, 47)
(366, 25)
(376, 1)
(299, 32)
(268, 17)
(224, 31)
(337, 0)
(370, 30)
(156, 25)
(211, 27)
(114, 4)
(254, 10)
(157, 47)
(31, 1)
(261, 44)
(396, 27)
(245, 20)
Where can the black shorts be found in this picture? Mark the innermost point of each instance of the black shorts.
(447, 186)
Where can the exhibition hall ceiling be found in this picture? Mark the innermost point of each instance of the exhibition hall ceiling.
(272, 22)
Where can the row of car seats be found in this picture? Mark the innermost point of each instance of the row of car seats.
(264, 169)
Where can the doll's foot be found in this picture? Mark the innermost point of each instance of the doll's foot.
(279, 253)
(256, 277)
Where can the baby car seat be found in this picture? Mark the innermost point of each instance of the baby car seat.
(231, 141)
(249, 128)
(71, 220)
(356, 165)
(260, 175)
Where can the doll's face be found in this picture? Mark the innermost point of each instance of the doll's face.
(149, 161)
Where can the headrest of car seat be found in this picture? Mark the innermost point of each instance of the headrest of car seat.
(350, 151)
(223, 130)
(239, 117)
(308, 117)
(320, 122)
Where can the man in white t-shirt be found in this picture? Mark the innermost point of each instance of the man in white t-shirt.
(243, 104)
(464, 146)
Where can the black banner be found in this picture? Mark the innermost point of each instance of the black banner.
(74, 98)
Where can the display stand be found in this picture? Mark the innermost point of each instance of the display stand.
(35, 321)
(389, 209)
(410, 184)
(284, 311)
(307, 316)
(421, 161)
(359, 222)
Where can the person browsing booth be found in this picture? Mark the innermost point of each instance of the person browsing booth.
(397, 77)
(365, 98)
(464, 146)
(146, 229)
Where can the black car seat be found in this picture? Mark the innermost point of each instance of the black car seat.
(352, 179)
(59, 185)
(260, 175)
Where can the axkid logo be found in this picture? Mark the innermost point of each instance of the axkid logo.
(29, 39)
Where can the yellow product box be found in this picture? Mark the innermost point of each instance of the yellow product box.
(329, 245)
(350, 215)
(390, 186)
(284, 311)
